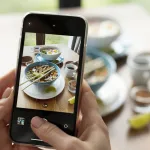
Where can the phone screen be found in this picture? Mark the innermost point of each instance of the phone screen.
(48, 78)
(49, 72)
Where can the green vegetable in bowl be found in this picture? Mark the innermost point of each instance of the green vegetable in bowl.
(37, 74)
(44, 51)
(39, 71)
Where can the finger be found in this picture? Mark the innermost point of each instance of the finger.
(88, 100)
(79, 120)
(7, 81)
(89, 109)
(50, 133)
(85, 87)
(7, 93)
(20, 147)
(6, 107)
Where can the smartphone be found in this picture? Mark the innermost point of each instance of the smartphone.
(49, 74)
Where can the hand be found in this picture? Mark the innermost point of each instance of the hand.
(6, 102)
(92, 132)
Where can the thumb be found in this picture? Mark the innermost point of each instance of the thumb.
(50, 133)
(6, 105)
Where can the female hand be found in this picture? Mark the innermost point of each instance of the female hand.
(6, 102)
(92, 132)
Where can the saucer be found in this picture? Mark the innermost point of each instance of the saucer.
(58, 61)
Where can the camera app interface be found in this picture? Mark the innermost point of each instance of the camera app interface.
(49, 71)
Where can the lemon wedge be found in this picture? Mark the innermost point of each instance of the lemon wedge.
(50, 89)
(139, 121)
(71, 100)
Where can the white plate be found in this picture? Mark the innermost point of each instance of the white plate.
(37, 91)
(113, 93)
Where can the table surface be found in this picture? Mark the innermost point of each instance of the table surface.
(135, 22)
(58, 103)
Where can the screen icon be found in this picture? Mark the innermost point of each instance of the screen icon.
(21, 121)
(65, 126)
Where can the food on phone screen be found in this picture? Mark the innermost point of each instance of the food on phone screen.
(50, 89)
(71, 100)
(39, 71)
(48, 78)
(50, 51)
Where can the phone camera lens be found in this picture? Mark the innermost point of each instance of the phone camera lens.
(29, 23)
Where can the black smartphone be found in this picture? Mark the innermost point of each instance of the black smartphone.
(49, 74)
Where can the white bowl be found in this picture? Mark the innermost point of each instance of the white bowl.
(102, 41)
(52, 56)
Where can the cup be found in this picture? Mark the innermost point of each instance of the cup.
(70, 70)
(139, 66)
(26, 60)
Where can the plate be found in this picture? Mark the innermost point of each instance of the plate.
(108, 61)
(37, 91)
(39, 58)
(113, 97)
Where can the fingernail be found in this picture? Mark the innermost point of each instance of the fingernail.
(36, 122)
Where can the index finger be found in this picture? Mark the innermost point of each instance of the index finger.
(7, 80)
(88, 99)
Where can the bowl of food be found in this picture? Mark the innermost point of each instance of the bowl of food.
(102, 31)
(43, 73)
(102, 67)
(49, 52)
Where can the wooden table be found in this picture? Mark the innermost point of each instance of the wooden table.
(58, 103)
(135, 22)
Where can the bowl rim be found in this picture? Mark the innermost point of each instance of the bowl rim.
(46, 63)
(107, 58)
(101, 19)
(47, 47)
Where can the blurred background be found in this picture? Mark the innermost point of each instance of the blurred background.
(52, 5)
(119, 36)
